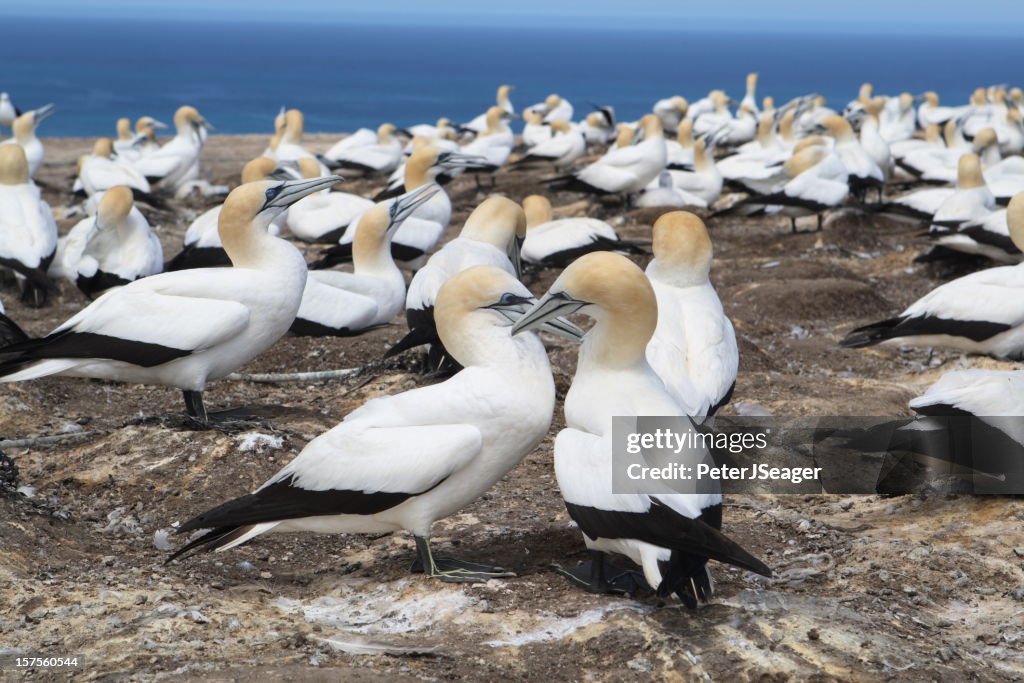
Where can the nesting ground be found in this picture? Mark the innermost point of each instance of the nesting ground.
(901, 587)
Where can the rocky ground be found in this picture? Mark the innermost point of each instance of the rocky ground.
(866, 587)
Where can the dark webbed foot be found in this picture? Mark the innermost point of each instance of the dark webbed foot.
(451, 570)
(598, 575)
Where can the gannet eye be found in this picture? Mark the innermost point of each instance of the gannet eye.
(273, 192)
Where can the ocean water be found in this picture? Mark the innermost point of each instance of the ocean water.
(344, 77)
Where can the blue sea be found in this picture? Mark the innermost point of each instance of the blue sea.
(347, 76)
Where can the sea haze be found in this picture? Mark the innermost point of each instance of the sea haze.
(347, 76)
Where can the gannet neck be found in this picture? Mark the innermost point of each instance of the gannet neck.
(124, 130)
(968, 174)
(684, 134)
(497, 221)
(682, 250)
(13, 165)
(371, 247)
(1015, 220)
(701, 162)
(417, 167)
(538, 210)
(294, 126)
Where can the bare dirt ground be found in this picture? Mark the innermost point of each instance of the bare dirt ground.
(867, 587)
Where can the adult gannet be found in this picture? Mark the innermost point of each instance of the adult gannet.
(663, 193)
(565, 146)
(671, 111)
(8, 112)
(145, 134)
(977, 313)
(28, 232)
(554, 108)
(554, 243)
(382, 156)
(124, 144)
(739, 130)
(693, 349)
(897, 120)
(100, 171)
(623, 170)
(704, 182)
(989, 236)
(995, 397)
(420, 231)
(862, 171)
(404, 461)
(810, 119)
(810, 182)
(339, 304)
(599, 126)
(871, 141)
(704, 105)
(396, 181)
(183, 329)
(679, 152)
(443, 129)
(112, 248)
(325, 216)
(203, 248)
(502, 101)
(535, 131)
(24, 130)
(864, 95)
(671, 536)
(175, 166)
(711, 121)
(289, 147)
(494, 144)
(971, 200)
(930, 113)
(750, 97)
(491, 236)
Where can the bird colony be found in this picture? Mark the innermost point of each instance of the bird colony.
(291, 248)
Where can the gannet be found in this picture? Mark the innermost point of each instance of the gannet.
(599, 126)
(124, 144)
(930, 113)
(989, 236)
(679, 152)
(275, 139)
(28, 232)
(175, 166)
(325, 216)
(977, 313)
(750, 96)
(693, 349)
(404, 461)
(671, 536)
(720, 116)
(554, 108)
(382, 156)
(994, 397)
(202, 248)
(565, 146)
(494, 144)
(864, 95)
(360, 138)
(704, 182)
(671, 111)
(185, 328)
(535, 131)
(491, 236)
(100, 171)
(396, 181)
(341, 304)
(623, 170)
(811, 181)
(440, 130)
(8, 112)
(862, 171)
(898, 120)
(812, 118)
(420, 231)
(145, 135)
(741, 129)
(289, 146)
(502, 101)
(873, 144)
(112, 248)
(24, 130)
(971, 200)
(704, 105)
(663, 193)
(554, 243)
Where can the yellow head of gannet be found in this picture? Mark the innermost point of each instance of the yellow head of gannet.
(866, 91)
(752, 83)
(684, 134)
(552, 101)
(251, 207)
(651, 126)
(503, 92)
(188, 119)
(968, 172)
(838, 127)
(384, 132)
(147, 125)
(561, 126)
(533, 118)
(786, 125)
(24, 127)
(538, 210)
(906, 101)
(765, 125)
(613, 291)
(1016, 95)
(115, 206)
(596, 119)
(258, 169)
(309, 168)
(768, 104)
(979, 97)
(680, 103)
(1015, 220)
(13, 165)
(124, 130)
(985, 138)
(681, 243)
(804, 159)
(624, 135)
(103, 148)
(721, 100)
(494, 117)
(371, 245)
(701, 162)
(874, 107)
(932, 98)
(497, 221)
(294, 126)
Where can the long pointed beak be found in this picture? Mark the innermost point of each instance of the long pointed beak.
(44, 112)
(207, 125)
(515, 247)
(514, 307)
(157, 124)
(459, 160)
(294, 190)
(549, 307)
(405, 205)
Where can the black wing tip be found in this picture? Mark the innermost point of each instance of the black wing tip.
(872, 334)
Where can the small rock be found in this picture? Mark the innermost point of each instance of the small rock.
(813, 634)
